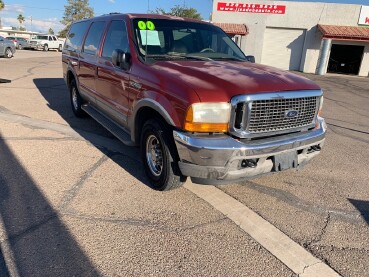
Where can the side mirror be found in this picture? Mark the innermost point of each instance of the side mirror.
(251, 59)
(121, 59)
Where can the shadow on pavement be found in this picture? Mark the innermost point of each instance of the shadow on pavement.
(40, 243)
(363, 207)
(56, 94)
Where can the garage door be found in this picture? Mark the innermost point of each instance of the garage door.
(282, 48)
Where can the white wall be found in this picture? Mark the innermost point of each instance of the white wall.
(298, 15)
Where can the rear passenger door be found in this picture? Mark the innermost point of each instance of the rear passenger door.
(112, 82)
(88, 58)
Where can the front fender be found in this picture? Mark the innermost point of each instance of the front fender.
(159, 104)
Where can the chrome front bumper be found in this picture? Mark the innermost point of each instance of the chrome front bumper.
(217, 159)
(36, 46)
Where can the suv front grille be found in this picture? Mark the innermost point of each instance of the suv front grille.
(270, 115)
(273, 115)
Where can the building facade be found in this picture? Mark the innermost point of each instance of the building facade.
(303, 36)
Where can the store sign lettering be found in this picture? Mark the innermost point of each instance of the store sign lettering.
(251, 8)
(364, 16)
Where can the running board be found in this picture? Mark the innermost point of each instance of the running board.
(110, 125)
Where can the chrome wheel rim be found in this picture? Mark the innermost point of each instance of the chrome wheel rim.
(74, 98)
(9, 53)
(154, 155)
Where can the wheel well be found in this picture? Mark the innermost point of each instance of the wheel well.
(70, 77)
(144, 114)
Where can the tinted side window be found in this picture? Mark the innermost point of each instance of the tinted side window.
(93, 38)
(116, 38)
(75, 36)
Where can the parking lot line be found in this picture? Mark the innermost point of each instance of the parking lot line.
(294, 256)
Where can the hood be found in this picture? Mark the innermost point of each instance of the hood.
(218, 81)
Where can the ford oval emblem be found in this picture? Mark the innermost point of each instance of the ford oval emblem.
(291, 113)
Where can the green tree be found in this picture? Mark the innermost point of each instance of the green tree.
(51, 31)
(2, 6)
(73, 11)
(181, 11)
(21, 20)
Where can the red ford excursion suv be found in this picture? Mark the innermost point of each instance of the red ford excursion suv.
(184, 92)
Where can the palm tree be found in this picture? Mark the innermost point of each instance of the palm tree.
(21, 19)
(2, 6)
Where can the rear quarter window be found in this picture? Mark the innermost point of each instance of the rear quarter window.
(76, 35)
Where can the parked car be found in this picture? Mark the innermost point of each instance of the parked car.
(19, 42)
(46, 42)
(7, 48)
(184, 92)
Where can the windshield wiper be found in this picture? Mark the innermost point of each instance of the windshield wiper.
(231, 58)
(193, 57)
(174, 56)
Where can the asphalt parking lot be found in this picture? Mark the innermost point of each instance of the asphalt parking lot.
(74, 200)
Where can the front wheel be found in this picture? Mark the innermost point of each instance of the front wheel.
(159, 156)
(76, 100)
(8, 53)
(60, 48)
(46, 47)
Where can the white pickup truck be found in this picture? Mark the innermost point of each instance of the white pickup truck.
(46, 42)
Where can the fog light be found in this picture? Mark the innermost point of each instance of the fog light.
(249, 163)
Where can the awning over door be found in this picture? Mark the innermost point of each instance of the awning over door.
(352, 33)
(233, 29)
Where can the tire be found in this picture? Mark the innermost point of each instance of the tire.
(160, 157)
(76, 100)
(8, 53)
(20, 46)
(60, 48)
(46, 47)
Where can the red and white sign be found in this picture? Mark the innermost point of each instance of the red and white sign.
(364, 16)
(251, 8)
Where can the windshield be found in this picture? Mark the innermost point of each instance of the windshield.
(173, 39)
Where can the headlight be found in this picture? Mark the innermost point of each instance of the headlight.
(208, 117)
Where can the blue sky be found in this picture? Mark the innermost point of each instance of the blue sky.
(49, 16)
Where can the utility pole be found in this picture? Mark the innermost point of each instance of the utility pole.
(30, 18)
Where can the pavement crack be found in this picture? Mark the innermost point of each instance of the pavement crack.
(319, 237)
(38, 139)
(294, 201)
(340, 132)
(73, 192)
(306, 267)
(144, 223)
(205, 224)
(30, 71)
(32, 228)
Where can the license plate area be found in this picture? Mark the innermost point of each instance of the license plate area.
(285, 161)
